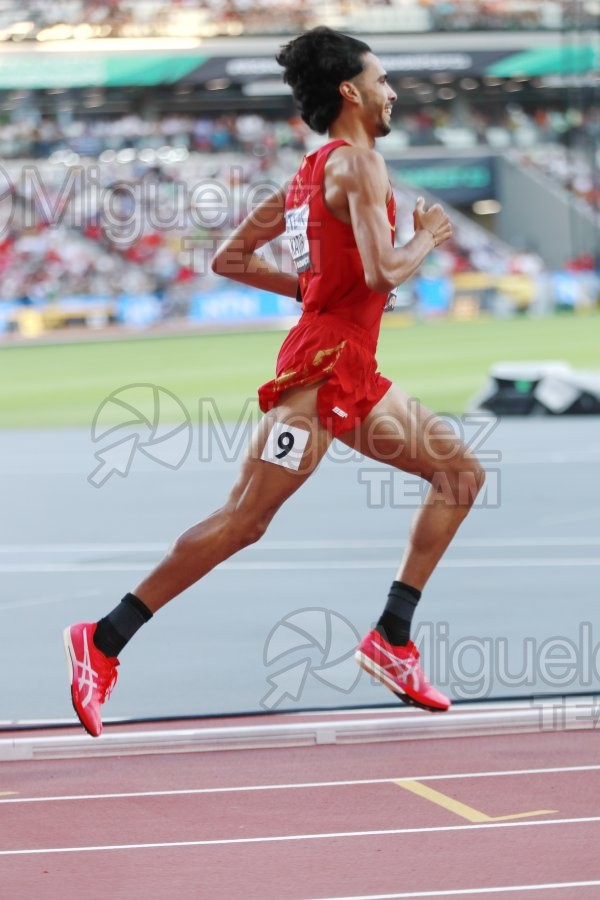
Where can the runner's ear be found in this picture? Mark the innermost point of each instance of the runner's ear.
(349, 91)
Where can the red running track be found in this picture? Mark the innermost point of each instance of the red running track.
(294, 824)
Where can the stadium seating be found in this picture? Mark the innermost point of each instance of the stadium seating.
(63, 19)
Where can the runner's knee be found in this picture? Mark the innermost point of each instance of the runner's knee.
(249, 529)
(231, 526)
(471, 480)
(458, 480)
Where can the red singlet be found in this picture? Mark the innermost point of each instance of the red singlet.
(336, 336)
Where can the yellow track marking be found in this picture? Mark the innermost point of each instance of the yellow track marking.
(461, 809)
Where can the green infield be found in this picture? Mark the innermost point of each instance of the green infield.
(443, 363)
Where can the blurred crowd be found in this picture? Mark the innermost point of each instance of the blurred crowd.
(111, 229)
(560, 141)
(128, 206)
(38, 138)
(64, 19)
(498, 15)
(455, 126)
(574, 171)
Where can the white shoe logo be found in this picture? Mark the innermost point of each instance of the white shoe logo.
(408, 667)
(87, 675)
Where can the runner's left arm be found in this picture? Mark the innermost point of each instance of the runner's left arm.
(237, 258)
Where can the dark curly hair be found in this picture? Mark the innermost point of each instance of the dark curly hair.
(315, 64)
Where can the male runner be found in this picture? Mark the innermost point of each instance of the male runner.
(339, 217)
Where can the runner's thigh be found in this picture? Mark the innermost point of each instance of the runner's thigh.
(285, 449)
(404, 433)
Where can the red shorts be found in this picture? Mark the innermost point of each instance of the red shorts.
(323, 346)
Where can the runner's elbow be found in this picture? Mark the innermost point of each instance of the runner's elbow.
(379, 282)
(216, 263)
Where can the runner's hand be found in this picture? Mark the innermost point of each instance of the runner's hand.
(434, 220)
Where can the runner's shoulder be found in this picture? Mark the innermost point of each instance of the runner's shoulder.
(358, 164)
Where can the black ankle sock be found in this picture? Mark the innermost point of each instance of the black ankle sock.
(120, 625)
(394, 624)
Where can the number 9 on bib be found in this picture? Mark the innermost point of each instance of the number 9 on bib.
(285, 445)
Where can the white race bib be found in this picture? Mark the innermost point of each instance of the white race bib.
(285, 445)
(296, 224)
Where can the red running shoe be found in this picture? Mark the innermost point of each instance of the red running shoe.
(93, 675)
(398, 668)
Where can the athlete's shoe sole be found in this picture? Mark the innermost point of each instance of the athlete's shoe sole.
(380, 674)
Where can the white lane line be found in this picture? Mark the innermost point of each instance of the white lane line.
(37, 601)
(554, 459)
(76, 466)
(568, 518)
(83, 548)
(525, 562)
(509, 773)
(313, 564)
(468, 892)
(280, 838)
(311, 544)
(48, 601)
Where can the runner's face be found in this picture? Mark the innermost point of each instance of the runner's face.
(376, 94)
